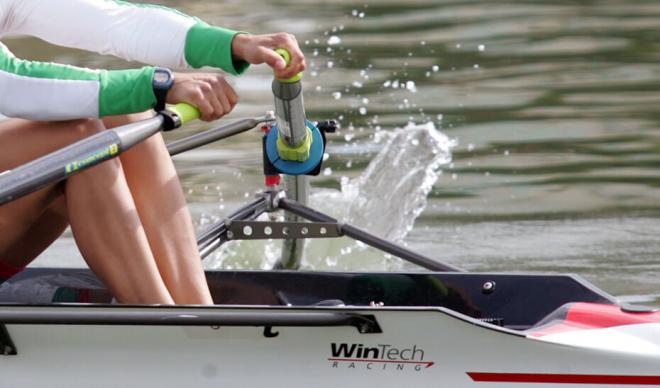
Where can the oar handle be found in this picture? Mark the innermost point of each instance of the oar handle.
(186, 112)
(284, 53)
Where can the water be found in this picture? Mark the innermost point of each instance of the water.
(553, 105)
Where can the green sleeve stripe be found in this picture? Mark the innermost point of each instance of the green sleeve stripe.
(44, 70)
(126, 91)
(121, 91)
(211, 46)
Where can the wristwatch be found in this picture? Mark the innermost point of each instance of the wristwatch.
(162, 82)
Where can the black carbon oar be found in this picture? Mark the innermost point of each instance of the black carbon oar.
(63, 163)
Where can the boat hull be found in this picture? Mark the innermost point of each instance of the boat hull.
(417, 347)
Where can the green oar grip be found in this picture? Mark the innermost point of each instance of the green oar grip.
(186, 112)
(284, 53)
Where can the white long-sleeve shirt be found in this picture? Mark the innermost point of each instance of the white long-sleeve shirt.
(147, 33)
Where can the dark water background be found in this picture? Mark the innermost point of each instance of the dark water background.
(554, 105)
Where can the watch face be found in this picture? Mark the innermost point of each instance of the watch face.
(161, 77)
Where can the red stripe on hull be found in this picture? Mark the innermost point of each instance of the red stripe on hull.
(563, 378)
(584, 316)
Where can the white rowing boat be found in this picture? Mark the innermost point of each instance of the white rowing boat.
(310, 329)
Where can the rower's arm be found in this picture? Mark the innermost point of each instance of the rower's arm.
(49, 91)
(147, 33)
(151, 34)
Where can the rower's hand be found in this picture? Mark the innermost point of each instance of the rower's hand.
(209, 92)
(257, 49)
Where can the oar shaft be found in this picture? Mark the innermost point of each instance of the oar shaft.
(61, 164)
(216, 134)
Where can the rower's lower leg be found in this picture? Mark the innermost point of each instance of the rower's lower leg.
(41, 233)
(162, 208)
(110, 236)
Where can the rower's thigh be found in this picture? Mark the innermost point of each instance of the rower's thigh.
(24, 140)
(21, 142)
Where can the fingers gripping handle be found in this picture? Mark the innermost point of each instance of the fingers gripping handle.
(284, 53)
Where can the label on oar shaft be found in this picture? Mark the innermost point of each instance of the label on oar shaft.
(92, 159)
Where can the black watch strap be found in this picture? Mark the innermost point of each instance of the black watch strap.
(162, 83)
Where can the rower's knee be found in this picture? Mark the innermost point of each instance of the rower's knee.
(87, 127)
(115, 121)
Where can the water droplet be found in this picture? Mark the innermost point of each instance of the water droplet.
(336, 95)
(327, 171)
(361, 15)
(354, 12)
(435, 68)
(506, 153)
(334, 40)
(481, 47)
(440, 117)
(362, 110)
(415, 142)
(331, 64)
(476, 66)
(365, 101)
(318, 88)
(387, 84)
(357, 84)
(454, 176)
(395, 84)
(458, 45)
(410, 85)
(470, 147)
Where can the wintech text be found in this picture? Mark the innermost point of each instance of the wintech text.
(380, 357)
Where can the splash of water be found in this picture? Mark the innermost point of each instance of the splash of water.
(385, 200)
(391, 193)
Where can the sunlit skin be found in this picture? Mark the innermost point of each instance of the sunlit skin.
(128, 215)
